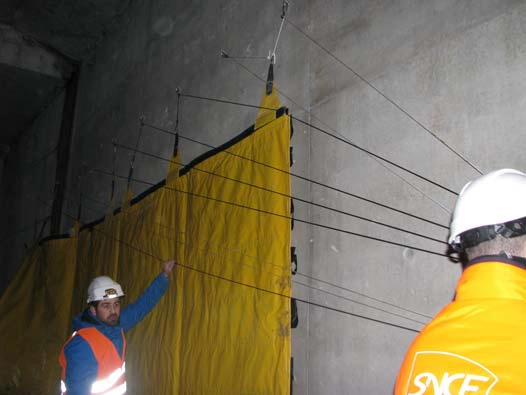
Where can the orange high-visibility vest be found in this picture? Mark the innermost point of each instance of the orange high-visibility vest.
(477, 343)
(111, 367)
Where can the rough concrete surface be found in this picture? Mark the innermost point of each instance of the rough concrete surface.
(454, 67)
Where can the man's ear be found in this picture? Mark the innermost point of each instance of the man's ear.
(93, 310)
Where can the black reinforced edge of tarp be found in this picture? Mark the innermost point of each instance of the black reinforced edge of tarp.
(54, 237)
(247, 132)
(133, 201)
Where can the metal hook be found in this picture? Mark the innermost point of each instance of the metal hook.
(284, 8)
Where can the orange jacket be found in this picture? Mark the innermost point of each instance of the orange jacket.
(111, 367)
(477, 343)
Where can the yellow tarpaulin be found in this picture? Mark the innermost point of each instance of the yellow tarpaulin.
(35, 314)
(224, 325)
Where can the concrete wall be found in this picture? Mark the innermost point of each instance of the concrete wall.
(455, 66)
(26, 189)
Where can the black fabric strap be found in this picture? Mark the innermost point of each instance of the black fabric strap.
(514, 260)
(508, 230)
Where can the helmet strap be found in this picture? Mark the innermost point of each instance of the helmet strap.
(508, 230)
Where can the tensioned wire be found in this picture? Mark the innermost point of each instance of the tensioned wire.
(209, 252)
(279, 294)
(298, 273)
(298, 199)
(328, 134)
(368, 83)
(169, 228)
(284, 195)
(172, 229)
(306, 276)
(219, 277)
(300, 177)
(336, 132)
(290, 218)
(135, 150)
(299, 220)
(363, 295)
(354, 301)
(286, 217)
(321, 280)
(263, 212)
(391, 101)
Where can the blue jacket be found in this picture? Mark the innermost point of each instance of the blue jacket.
(82, 366)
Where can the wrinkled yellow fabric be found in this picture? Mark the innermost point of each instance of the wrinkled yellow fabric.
(214, 331)
(34, 319)
(268, 106)
(476, 344)
(245, 334)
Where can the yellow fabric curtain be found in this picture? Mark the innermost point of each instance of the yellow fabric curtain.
(224, 325)
(34, 319)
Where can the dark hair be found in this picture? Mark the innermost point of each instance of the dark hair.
(96, 303)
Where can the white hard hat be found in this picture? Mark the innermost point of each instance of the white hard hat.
(490, 201)
(103, 287)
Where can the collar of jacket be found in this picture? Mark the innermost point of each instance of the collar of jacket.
(89, 318)
(492, 279)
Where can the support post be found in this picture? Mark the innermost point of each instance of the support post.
(63, 150)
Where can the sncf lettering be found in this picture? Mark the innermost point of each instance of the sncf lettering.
(427, 381)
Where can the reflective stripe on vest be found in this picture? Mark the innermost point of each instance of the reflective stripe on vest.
(110, 378)
(99, 386)
(120, 390)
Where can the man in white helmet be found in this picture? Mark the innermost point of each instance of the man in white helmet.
(477, 344)
(92, 360)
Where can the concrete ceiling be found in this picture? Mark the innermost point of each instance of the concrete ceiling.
(39, 42)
